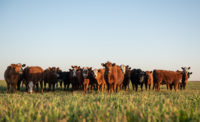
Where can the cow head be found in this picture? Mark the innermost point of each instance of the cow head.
(185, 72)
(108, 67)
(141, 76)
(85, 72)
(17, 68)
(95, 72)
(30, 87)
(123, 68)
(74, 70)
(185, 69)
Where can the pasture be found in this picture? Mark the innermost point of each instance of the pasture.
(124, 106)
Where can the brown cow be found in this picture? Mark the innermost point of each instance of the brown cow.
(33, 75)
(12, 75)
(113, 75)
(86, 71)
(149, 80)
(98, 74)
(168, 77)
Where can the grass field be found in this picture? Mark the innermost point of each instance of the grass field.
(124, 106)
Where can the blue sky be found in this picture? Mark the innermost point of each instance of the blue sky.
(145, 34)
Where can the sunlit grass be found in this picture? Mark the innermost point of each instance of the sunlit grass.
(124, 106)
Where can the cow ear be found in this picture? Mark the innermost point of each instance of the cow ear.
(182, 68)
(12, 65)
(129, 68)
(102, 64)
(190, 73)
(72, 66)
(113, 64)
(188, 67)
(23, 65)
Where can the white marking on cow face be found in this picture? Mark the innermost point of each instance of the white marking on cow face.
(85, 72)
(123, 68)
(30, 87)
(186, 69)
(95, 73)
(74, 73)
(180, 81)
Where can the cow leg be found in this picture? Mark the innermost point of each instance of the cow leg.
(49, 86)
(98, 87)
(102, 87)
(146, 86)
(175, 86)
(115, 88)
(14, 88)
(45, 83)
(18, 85)
(153, 86)
(150, 86)
(118, 88)
(181, 86)
(133, 85)
(158, 89)
(65, 84)
(85, 88)
(136, 87)
(109, 88)
(54, 86)
(37, 87)
(184, 85)
(41, 86)
(61, 83)
(8, 86)
(142, 87)
(68, 85)
(170, 86)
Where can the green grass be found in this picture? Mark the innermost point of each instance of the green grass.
(124, 106)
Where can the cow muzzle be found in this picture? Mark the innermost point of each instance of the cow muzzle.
(30, 87)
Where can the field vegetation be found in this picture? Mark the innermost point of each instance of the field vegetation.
(124, 106)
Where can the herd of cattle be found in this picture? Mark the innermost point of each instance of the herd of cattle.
(110, 77)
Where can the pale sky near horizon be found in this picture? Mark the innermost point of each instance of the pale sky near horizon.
(144, 34)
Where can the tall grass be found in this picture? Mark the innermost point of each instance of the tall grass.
(124, 106)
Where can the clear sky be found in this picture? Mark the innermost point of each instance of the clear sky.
(146, 34)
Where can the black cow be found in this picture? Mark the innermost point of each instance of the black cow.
(127, 77)
(138, 78)
(64, 77)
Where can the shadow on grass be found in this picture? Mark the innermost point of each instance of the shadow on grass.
(3, 89)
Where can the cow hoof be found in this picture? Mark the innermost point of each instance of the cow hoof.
(30, 92)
